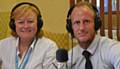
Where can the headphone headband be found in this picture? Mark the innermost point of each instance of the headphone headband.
(25, 3)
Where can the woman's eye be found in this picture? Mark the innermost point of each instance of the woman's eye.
(20, 22)
(30, 21)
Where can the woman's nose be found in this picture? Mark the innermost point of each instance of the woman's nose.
(26, 24)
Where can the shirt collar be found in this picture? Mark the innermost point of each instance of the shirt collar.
(31, 46)
(94, 45)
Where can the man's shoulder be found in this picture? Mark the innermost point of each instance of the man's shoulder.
(108, 41)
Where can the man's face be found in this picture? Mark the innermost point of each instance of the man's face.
(83, 24)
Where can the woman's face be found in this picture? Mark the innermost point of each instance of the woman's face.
(26, 24)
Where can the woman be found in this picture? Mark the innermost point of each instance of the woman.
(26, 48)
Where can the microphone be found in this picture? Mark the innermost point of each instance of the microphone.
(62, 58)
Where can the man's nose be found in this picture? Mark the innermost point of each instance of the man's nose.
(81, 25)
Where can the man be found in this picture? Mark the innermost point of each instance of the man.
(93, 51)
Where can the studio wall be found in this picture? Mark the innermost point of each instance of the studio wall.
(53, 14)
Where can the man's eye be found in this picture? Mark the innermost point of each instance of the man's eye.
(77, 22)
(86, 21)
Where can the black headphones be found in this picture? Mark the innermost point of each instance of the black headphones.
(97, 20)
(39, 17)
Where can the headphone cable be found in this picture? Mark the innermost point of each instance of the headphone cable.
(71, 51)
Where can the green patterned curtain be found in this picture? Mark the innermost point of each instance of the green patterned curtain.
(4, 25)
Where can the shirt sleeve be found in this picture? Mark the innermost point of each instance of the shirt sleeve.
(114, 56)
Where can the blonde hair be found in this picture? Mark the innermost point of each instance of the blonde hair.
(21, 10)
(89, 5)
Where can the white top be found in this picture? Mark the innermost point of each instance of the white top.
(42, 56)
(105, 54)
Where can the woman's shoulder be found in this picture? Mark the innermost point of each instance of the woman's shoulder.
(8, 39)
(46, 40)
(46, 43)
(7, 43)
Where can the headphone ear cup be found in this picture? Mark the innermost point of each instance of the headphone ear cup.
(12, 24)
(98, 23)
(69, 27)
(39, 23)
(97, 19)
